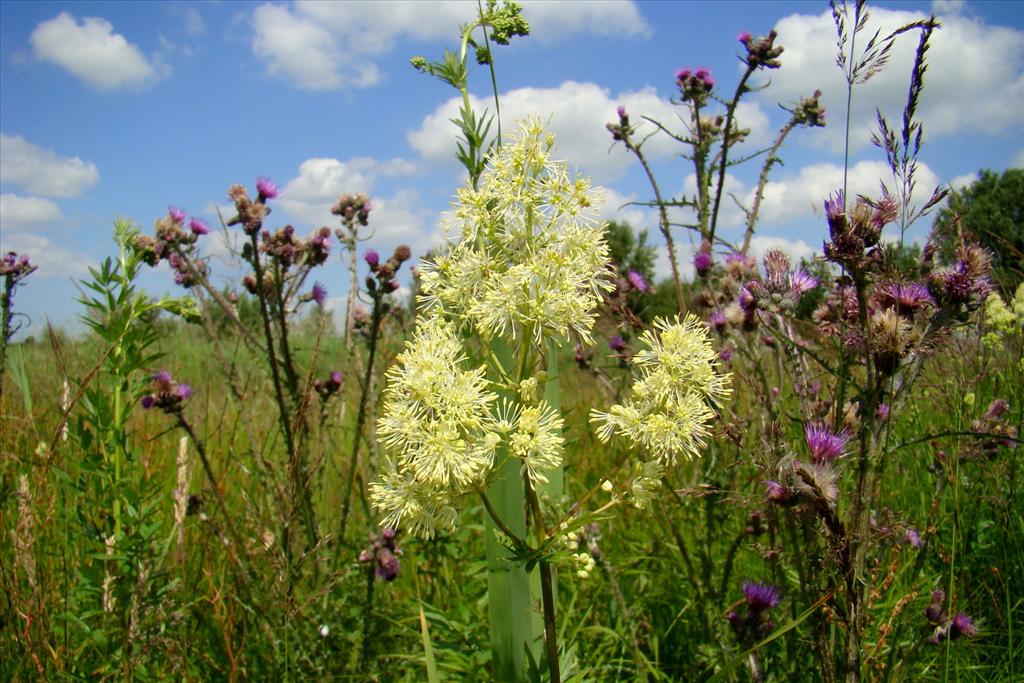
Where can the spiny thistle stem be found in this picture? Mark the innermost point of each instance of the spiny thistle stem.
(663, 221)
(282, 408)
(730, 112)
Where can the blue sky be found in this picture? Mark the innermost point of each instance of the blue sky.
(120, 109)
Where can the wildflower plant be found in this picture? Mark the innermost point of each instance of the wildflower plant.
(14, 269)
(710, 139)
(465, 411)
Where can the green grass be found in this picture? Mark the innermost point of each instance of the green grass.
(654, 609)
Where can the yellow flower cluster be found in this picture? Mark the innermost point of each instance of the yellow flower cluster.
(436, 421)
(1003, 320)
(443, 426)
(673, 399)
(527, 255)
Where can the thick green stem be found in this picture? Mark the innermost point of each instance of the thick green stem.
(546, 585)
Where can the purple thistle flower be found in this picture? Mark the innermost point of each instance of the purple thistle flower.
(744, 37)
(882, 411)
(617, 343)
(835, 205)
(682, 74)
(801, 282)
(725, 355)
(267, 188)
(746, 299)
(199, 226)
(905, 297)
(779, 494)
(387, 565)
(760, 596)
(913, 538)
(162, 376)
(372, 258)
(177, 215)
(147, 401)
(183, 392)
(933, 612)
(621, 111)
(335, 377)
(702, 262)
(716, 320)
(637, 281)
(823, 444)
(319, 294)
(962, 626)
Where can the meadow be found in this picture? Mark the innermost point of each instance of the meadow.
(540, 465)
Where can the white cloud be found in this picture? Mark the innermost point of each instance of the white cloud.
(962, 181)
(297, 48)
(330, 45)
(945, 8)
(549, 20)
(577, 114)
(92, 51)
(42, 171)
(53, 260)
(975, 78)
(308, 197)
(193, 21)
(796, 249)
(23, 221)
(802, 195)
(25, 214)
(617, 207)
(1018, 160)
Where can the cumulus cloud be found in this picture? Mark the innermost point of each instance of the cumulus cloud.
(23, 224)
(92, 51)
(576, 113)
(42, 171)
(309, 196)
(618, 207)
(962, 181)
(53, 260)
(25, 214)
(948, 7)
(975, 78)
(801, 195)
(796, 249)
(330, 45)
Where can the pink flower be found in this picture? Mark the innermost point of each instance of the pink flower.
(637, 281)
(177, 215)
(199, 226)
(267, 188)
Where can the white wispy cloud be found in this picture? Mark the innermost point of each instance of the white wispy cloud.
(93, 52)
(576, 113)
(801, 195)
(308, 197)
(974, 82)
(43, 171)
(331, 45)
(20, 214)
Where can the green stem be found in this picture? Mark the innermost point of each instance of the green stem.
(546, 585)
(364, 399)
